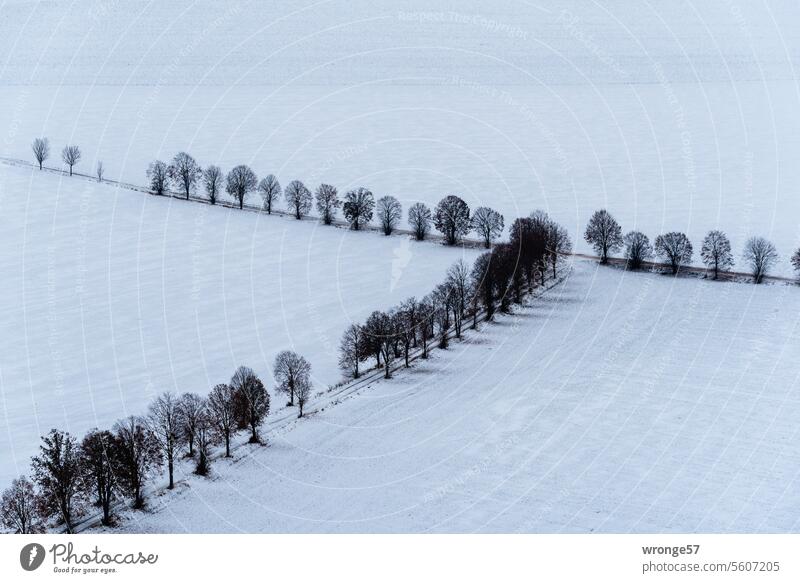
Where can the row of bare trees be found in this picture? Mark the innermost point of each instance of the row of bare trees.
(675, 249)
(499, 277)
(70, 155)
(69, 476)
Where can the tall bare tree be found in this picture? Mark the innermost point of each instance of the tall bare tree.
(389, 211)
(164, 422)
(98, 469)
(419, 219)
(71, 155)
(559, 245)
(41, 150)
(358, 206)
(190, 407)
(716, 252)
(158, 177)
(291, 370)
(137, 457)
(298, 198)
(241, 181)
(252, 400)
(761, 256)
(212, 181)
(488, 224)
(270, 190)
(352, 349)
(327, 203)
(675, 248)
(222, 413)
(205, 438)
(185, 172)
(56, 470)
(604, 234)
(18, 508)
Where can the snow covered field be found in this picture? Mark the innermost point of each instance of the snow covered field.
(111, 296)
(675, 115)
(621, 402)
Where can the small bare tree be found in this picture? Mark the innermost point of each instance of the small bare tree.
(241, 181)
(41, 150)
(604, 234)
(270, 190)
(389, 211)
(327, 203)
(164, 422)
(100, 171)
(291, 372)
(419, 219)
(18, 508)
(761, 256)
(71, 155)
(212, 181)
(675, 248)
(488, 224)
(558, 246)
(158, 177)
(222, 413)
(298, 198)
(637, 249)
(716, 252)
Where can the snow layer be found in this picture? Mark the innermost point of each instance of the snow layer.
(618, 403)
(674, 115)
(111, 296)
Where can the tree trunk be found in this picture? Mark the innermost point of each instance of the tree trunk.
(227, 444)
(171, 473)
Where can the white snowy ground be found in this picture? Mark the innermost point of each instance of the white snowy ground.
(676, 115)
(621, 402)
(111, 296)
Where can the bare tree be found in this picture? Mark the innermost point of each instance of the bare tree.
(71, 155)
(222, 413)
(380, 332)
(761, 255)
(675, 248)
(425, 326)
(604, 234)
(451, 218)
(482, 276)
(205, 438)
(212, 181)
(796, 261)
(458, 280)
(18, 508)
(358, 206)
(137, 456)
(100, 171)
(327, 202)
(252, 400)
(190, 407)
(98, 469)
(488, 224)
(185, 172)
(164, 422)
(389, 211)
(716, 252)
(298, 198)
(419, 219)
(290, 371)
(158, 177)
(637, 249)
(270, 190)
(41, 150)
(56, 470)
(559, 245)
(352, 349)
(240, 182)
